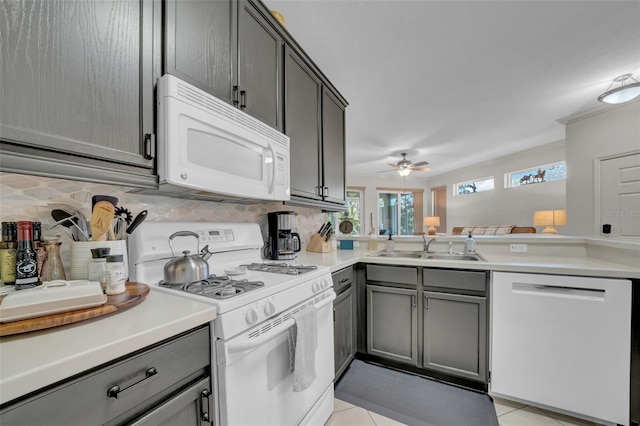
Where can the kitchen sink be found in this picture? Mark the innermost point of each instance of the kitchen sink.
(409, 254)
(430, 256)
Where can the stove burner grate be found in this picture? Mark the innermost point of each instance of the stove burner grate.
(217, 287)
(280, 268)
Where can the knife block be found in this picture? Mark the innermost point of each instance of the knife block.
(318, 245)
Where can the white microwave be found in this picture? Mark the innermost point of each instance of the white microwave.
(208, 149)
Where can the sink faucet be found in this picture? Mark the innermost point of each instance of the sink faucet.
(426, 245)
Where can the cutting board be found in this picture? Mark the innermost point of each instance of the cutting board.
(134, 294)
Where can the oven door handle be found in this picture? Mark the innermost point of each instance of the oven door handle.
(246, 344)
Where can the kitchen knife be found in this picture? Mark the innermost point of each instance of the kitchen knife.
(323, 229)
(137, 221)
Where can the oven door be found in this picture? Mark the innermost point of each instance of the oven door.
(255, 377)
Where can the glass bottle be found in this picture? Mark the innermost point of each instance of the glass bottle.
(8, 253)
(26, 258)
(52, 268)
(114, 273)
(97, 267)
(38, 246)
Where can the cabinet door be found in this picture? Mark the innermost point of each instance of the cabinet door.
(200, 40)
(77, 80)
(302, 104)
(343, 330)
(191, 407)
(392, 323)
(333, 158)
(455, 334)
(259, 67)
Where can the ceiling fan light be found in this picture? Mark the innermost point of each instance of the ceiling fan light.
(404, 172)
(623, 93)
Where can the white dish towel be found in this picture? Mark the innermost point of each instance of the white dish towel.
(303, 341)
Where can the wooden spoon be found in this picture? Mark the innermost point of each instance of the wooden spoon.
(101, 219)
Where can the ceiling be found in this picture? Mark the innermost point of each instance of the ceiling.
(456, 83)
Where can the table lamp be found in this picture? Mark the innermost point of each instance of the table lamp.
(550, 218)
(431, 222)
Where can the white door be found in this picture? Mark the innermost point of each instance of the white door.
(620, 195)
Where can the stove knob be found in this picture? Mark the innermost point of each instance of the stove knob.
(269, 309)
(252, 316)
(325, 283)
(315, 287)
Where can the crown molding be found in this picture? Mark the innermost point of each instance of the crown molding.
(600, 109)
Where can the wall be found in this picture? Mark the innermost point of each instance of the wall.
(503, 206)
(615, 131)
(26, 197)
(384, 180)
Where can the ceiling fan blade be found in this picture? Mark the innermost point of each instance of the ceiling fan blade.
(422, 169)
(421, 163)
(393, 165)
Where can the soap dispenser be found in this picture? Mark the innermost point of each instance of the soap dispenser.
(470, 245)
(389, 244)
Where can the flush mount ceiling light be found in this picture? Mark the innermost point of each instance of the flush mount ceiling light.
(623, 93)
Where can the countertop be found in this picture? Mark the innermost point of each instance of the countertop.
(576, 264)
(33, 360)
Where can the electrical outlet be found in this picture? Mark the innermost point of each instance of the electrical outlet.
(518, 248)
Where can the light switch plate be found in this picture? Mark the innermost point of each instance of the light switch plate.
(518, 248)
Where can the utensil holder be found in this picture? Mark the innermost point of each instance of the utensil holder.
(81, 256)
(318, 245)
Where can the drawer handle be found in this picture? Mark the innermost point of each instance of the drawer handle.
(114, 391)
(204, 410)
(344, 280)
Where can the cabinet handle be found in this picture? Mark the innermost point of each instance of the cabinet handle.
(344, 280)
(413, 300)
(235, 96)
(115, 391)
(426, 302)
(204, 410)
(325, 191)
(243, 99)
(149, 146)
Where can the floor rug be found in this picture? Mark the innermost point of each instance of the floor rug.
(412, 399)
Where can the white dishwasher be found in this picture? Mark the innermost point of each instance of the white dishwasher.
(562, 342)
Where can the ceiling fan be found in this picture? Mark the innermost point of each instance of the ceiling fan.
(404, 167)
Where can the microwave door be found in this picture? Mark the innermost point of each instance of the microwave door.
(214, 155)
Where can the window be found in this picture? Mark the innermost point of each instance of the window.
(400, 212)
(355, 209)
(473, 186)
(546, 173)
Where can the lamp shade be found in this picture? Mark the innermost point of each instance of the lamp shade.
(404, 171)
(623, 93)
(549, 218)
(431, 222)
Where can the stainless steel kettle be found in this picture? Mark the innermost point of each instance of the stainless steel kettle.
(188, 268)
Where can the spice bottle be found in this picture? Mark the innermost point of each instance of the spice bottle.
(38, 246)
(52, 269)
(8, 253)
(114, 274)
(98, 266)
(26, 258)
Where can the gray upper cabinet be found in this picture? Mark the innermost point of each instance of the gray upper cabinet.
(76, 82)
(315, 122)
(229, 49)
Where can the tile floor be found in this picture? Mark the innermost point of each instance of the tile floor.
(509, 414)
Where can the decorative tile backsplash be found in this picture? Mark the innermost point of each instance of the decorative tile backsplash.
(28, 197)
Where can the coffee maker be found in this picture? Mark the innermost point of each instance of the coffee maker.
(283, 244)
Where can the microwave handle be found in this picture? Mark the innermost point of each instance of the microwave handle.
(274, 167)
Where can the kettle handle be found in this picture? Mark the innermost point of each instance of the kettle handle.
(296, 236)
(184, 234)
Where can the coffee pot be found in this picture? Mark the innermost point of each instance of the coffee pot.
(283, 244)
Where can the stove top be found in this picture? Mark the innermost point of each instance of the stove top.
(217, 287)
(280, 268)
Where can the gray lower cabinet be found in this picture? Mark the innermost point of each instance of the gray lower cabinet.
(230, 49)
(76, 81)
(166, 384)
(455, 334)
(392, 323)
(344, 319)
(455, 323)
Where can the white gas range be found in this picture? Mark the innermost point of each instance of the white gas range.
(258, 312)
